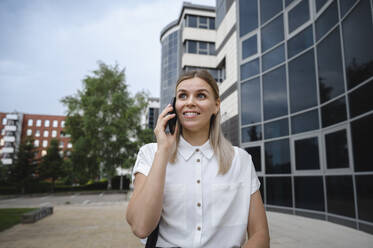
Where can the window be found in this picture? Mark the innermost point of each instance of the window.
(360, 100)
(248, 16)
(329, 58)
(252, 133)
(336, 150)
(200, 22)
(62, 124)
(61, 144)
(28, 132)
(4, 121)
(305, 122)
(200, 47)
(38, 123)
(221, 72)
(279, 191)
(334, 112)
(192, 21)
(46, 133)
(302, 82)
(255, 156)
(274, 57)
(45, 143)
(362, 136)
(309, 193)
(340, 196)
(69, 145)
(250, 102)
(275, 93)
(55, 123)
(43, 153)
(327, 20)
(300, 42)
(298, 15)
(272, 33)
(249, 69)
(54, 133)
(307, 154)
(358, 40)
(276, 128)
(46, 123)
(346, 6)
(364, 189)
(36, 143)
(249, 47)
(320, 4)
(29, 122)
(268, 9)
(37, 133)
(277, 156)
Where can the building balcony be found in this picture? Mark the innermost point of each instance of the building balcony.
(8, 150)
(10, 128)
(6, 161)
(9, 139)
(12, 117)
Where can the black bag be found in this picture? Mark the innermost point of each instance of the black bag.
(152, 238)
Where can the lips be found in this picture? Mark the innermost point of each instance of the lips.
(190, 113)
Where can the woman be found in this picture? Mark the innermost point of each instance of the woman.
(202, 191)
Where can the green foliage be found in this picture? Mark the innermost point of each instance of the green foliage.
(12, 216)
(51, 166)
(22, 171)
(104, 123)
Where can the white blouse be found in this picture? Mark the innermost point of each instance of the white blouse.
(202, 208)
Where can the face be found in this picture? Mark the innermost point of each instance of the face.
(195, 104)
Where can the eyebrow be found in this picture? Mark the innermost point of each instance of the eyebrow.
(199, 90)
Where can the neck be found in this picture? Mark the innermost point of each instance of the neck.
(196, 138)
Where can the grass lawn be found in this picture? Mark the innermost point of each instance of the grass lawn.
(11, 216)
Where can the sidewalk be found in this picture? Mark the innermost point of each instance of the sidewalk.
(103, 225)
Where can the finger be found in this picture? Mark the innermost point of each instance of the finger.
(165, 111)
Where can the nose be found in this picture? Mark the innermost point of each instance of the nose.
(190, 101)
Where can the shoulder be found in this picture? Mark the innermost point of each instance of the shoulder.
(148, 149)
(241, 154)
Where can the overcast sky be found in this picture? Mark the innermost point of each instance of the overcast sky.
(48, 46)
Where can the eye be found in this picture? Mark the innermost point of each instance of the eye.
(201, 95)
(182, 96)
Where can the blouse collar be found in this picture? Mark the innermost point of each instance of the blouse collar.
(186, 150)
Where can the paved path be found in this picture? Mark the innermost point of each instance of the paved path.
(102, 224)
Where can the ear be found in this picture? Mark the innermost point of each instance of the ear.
(217, 105)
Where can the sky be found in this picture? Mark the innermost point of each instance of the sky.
(47, 47)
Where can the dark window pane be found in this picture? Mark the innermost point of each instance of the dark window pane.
(307, 154)
(346, 6)
(212, 23)
(248, 16)
(287, 2)
(203, 20)
(362, 136)
(320, 4)
(192, 46)
(279, 191)
(255, 156)
(277, 156)
(336, 150)
(202, 45)
(334, 112)
(249, 47)
(305, 122)
(300, 42)
(249, 69)
(268, 9)
(358, 40)
(361, 100)
(302, 81)
(331, 82)
(327, 20)
(364, 190)
(212, 49)
(274, 57)
(298, 15)
(273, 33)
(252, 133)
(309, 193)
(276, 128)
(340, 195)
(274, 93)
(192, 21)
(261, 187)
(250, 102)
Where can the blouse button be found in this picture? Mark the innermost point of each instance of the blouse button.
(198, 181)
(198, 204)
(199, 228)
(198, 160)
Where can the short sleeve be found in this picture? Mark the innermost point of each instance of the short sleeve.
(248, 168)
(144, 160)
(255, 183)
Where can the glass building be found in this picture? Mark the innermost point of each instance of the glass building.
(306, 105)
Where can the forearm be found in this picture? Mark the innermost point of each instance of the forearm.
(144, 208)
(258, 240)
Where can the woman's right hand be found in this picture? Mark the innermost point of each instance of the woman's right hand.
(166, 141)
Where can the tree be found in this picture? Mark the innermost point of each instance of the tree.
(51, 166)
(103, 120)
(22, 171)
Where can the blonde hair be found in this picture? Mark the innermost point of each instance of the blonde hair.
(223, 149)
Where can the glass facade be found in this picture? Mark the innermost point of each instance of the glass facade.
(306, 111)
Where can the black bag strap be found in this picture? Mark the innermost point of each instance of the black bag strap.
(152, 238)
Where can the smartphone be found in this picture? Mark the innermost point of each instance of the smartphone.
(170, 127)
